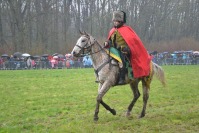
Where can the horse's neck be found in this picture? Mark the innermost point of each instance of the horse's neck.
(99, 56)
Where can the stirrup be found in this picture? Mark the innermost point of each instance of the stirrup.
(121, 82)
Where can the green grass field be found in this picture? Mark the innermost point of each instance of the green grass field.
(64, 101)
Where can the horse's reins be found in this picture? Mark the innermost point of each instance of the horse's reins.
(88, 48)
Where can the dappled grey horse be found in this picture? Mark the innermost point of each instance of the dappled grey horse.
(107, 72)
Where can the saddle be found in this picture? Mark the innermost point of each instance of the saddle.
(115, 54)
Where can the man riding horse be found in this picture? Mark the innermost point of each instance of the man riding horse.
(124, 38)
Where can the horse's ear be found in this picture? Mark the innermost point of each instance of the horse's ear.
(81, 33)
(86, 33)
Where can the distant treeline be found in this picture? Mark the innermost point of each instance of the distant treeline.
(47, 26)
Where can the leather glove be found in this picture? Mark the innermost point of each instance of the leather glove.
(107, 44)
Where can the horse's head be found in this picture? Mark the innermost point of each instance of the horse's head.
(83, 45)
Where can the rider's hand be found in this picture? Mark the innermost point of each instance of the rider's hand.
(106, 44)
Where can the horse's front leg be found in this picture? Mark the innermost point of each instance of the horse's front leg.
(105, 106)
(97, 109)
(103, 88)
(97, 104)
(108, 107)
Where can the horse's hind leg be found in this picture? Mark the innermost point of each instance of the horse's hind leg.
(145, 88)
(136, 93)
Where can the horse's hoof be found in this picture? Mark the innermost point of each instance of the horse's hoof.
(141, 116)
(96, 118)
(128, 114)
(113, 111)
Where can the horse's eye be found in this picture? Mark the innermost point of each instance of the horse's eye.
(83, 40)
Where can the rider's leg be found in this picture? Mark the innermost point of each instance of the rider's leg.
(122, 72)
(122, 76)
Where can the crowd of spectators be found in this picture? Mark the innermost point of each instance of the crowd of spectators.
(19, 61)
(59, 61)
(176, 58)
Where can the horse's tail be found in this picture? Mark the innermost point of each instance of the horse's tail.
(159, 73)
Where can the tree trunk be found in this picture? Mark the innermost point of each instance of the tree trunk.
(2, 40)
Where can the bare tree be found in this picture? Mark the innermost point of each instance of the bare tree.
(17, 11)
(51, 26)
(2, 40)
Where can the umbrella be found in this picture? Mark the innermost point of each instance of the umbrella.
(55, 57)
(178, 52)
(36, 56)
(17, 54)
(55, 54)
(45, 55)
(196, 52)
(165, 52)
(25, 55)
(190, 51)
(60, 56)
(4, 55)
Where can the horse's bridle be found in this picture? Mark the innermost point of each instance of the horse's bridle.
(88, 47)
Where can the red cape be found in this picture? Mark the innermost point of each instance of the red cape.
(140, 59)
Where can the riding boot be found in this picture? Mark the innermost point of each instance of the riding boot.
(122, 76)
